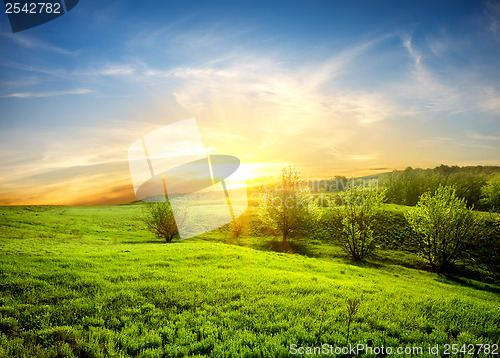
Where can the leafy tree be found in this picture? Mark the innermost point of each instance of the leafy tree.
(406, 186)
(484, 249)
(160, 220)
(287, 205)
(468, 186)
(491, 194)
(352, 221)
(444, 224)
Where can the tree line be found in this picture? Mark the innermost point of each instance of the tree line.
(442, 226)
(478, 185)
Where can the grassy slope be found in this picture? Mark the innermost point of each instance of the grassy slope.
(91, 282)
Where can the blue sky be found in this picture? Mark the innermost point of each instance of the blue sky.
(331, 87)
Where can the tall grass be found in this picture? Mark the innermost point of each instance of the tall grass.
(92, 282)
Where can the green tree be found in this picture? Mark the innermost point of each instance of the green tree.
(444, 224)
(405, 187)
(490, 193)
(287, 205)
(160, 220)
(484, 249)
(351, 220)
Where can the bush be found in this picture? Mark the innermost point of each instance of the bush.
(238, 227)
(484, 250)
(491, 194)
(352, 223)
(393, 231)
(323, 201)
(253, 203)
(287, 205)
(160, 220)
(444, 224)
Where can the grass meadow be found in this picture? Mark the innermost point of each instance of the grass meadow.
(93, 282)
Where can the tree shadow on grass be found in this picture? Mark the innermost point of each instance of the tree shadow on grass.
(365, 263)
(290, 247)
(151, 241)
(382, 260)
(459, 281)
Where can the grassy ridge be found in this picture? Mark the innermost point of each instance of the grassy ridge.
(91, 282)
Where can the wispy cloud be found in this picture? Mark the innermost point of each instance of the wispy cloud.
(362, 157)
(18, 65)
(339, 63)
(295, 93)
(78, 91)
(475, 135)
(226, 136)
(430, 93)
(32, 43)
(451, 92)
(242, 102)
(489, 100)
(22, 82)
(437, 141)
(117, 70)
(492, 13)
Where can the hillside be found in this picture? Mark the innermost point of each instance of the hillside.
(92, 282)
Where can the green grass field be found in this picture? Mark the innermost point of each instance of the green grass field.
(92, 282)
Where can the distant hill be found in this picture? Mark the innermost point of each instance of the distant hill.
(406, 186)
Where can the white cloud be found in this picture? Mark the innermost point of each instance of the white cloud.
(32, 43)
(225, 136)
(298, 94)
(78, 91)
(117, 70)
(362, 157)
(449, 90)
(430, 94)
(338, 64)
(475, 135)
(492, 10)
(489, 100)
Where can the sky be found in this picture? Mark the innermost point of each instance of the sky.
(331, 87)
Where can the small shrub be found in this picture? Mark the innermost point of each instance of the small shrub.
(352, 224)
(323, 201)
(352, 306)
(253, 203)
(287, 206)
(393, 231)
(484, 249)
(237, 228)
(160, 220)
(490, 193)
(8, 324)
(444, 224)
